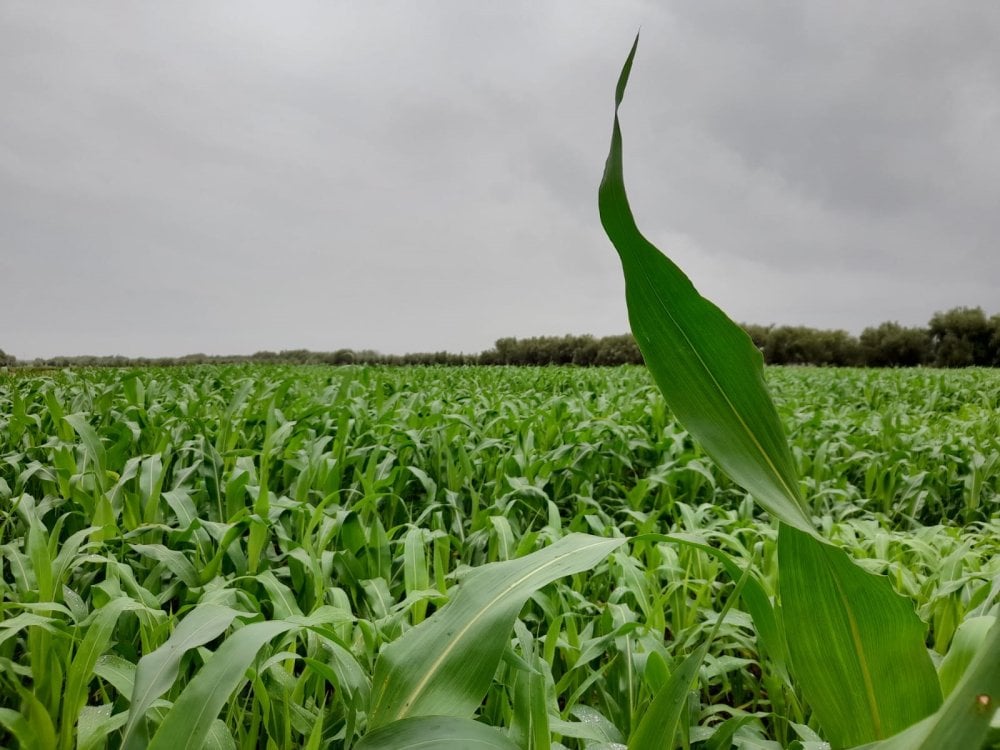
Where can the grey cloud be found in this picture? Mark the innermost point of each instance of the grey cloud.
(220, 177)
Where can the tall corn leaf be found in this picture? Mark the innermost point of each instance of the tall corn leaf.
(711, 375)
(438, 732)
(445, 664)
(857, 647)
(156, 671)
(198, 705)
(82, 668)
(708, 369)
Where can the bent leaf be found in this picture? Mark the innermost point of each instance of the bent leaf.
(445, 664)
(856, 646)
(199, 703)
(709, 371)
(156, 671)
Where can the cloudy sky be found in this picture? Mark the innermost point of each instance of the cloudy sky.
(408, 176)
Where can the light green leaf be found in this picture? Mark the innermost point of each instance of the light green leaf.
(967, 641)
(198, 705)
(660, 722)
(95, 724)
(964, 719)
(91, 442)
(156, 672)
(708, 369)
(444, 665)
(857, 647)
(81, 671)
(437, 733)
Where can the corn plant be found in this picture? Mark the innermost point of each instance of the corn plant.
(856, 647)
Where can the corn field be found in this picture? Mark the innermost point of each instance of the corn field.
(698, 555)
(162, 514)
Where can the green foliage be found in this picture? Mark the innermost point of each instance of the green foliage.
(892, 345)
(276, 557)
(964, 337)
(486, 465)
(856, 647)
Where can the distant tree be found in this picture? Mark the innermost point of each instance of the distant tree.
(618, 350)
(892, 345)
(586, 351)
(962, 337)
(787, 345)
(341, 357)
(7, 360)
(995, 340)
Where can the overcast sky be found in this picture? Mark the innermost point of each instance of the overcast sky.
(225, 177)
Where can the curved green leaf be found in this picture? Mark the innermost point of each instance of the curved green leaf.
(445, 664)
(156, 671)
(968, 640)
(856, 646)
(707, 367)
(84, 660)
(191, 716)
(436, 732)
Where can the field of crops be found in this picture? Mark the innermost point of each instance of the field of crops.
(261, 534)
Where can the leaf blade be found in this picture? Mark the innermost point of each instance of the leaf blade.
(708, 369)
(444, 665)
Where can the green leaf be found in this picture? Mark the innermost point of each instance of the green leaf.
(708, 369)
(660, 722)
(198, 705)
(81, 671)
(856, 646)
(445, 664)
(859, 651)
(437, 732)
(964, 719)
(967, 641)
(156, 672)
(91, 442)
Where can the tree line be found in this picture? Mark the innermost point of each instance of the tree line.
(960, 337)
